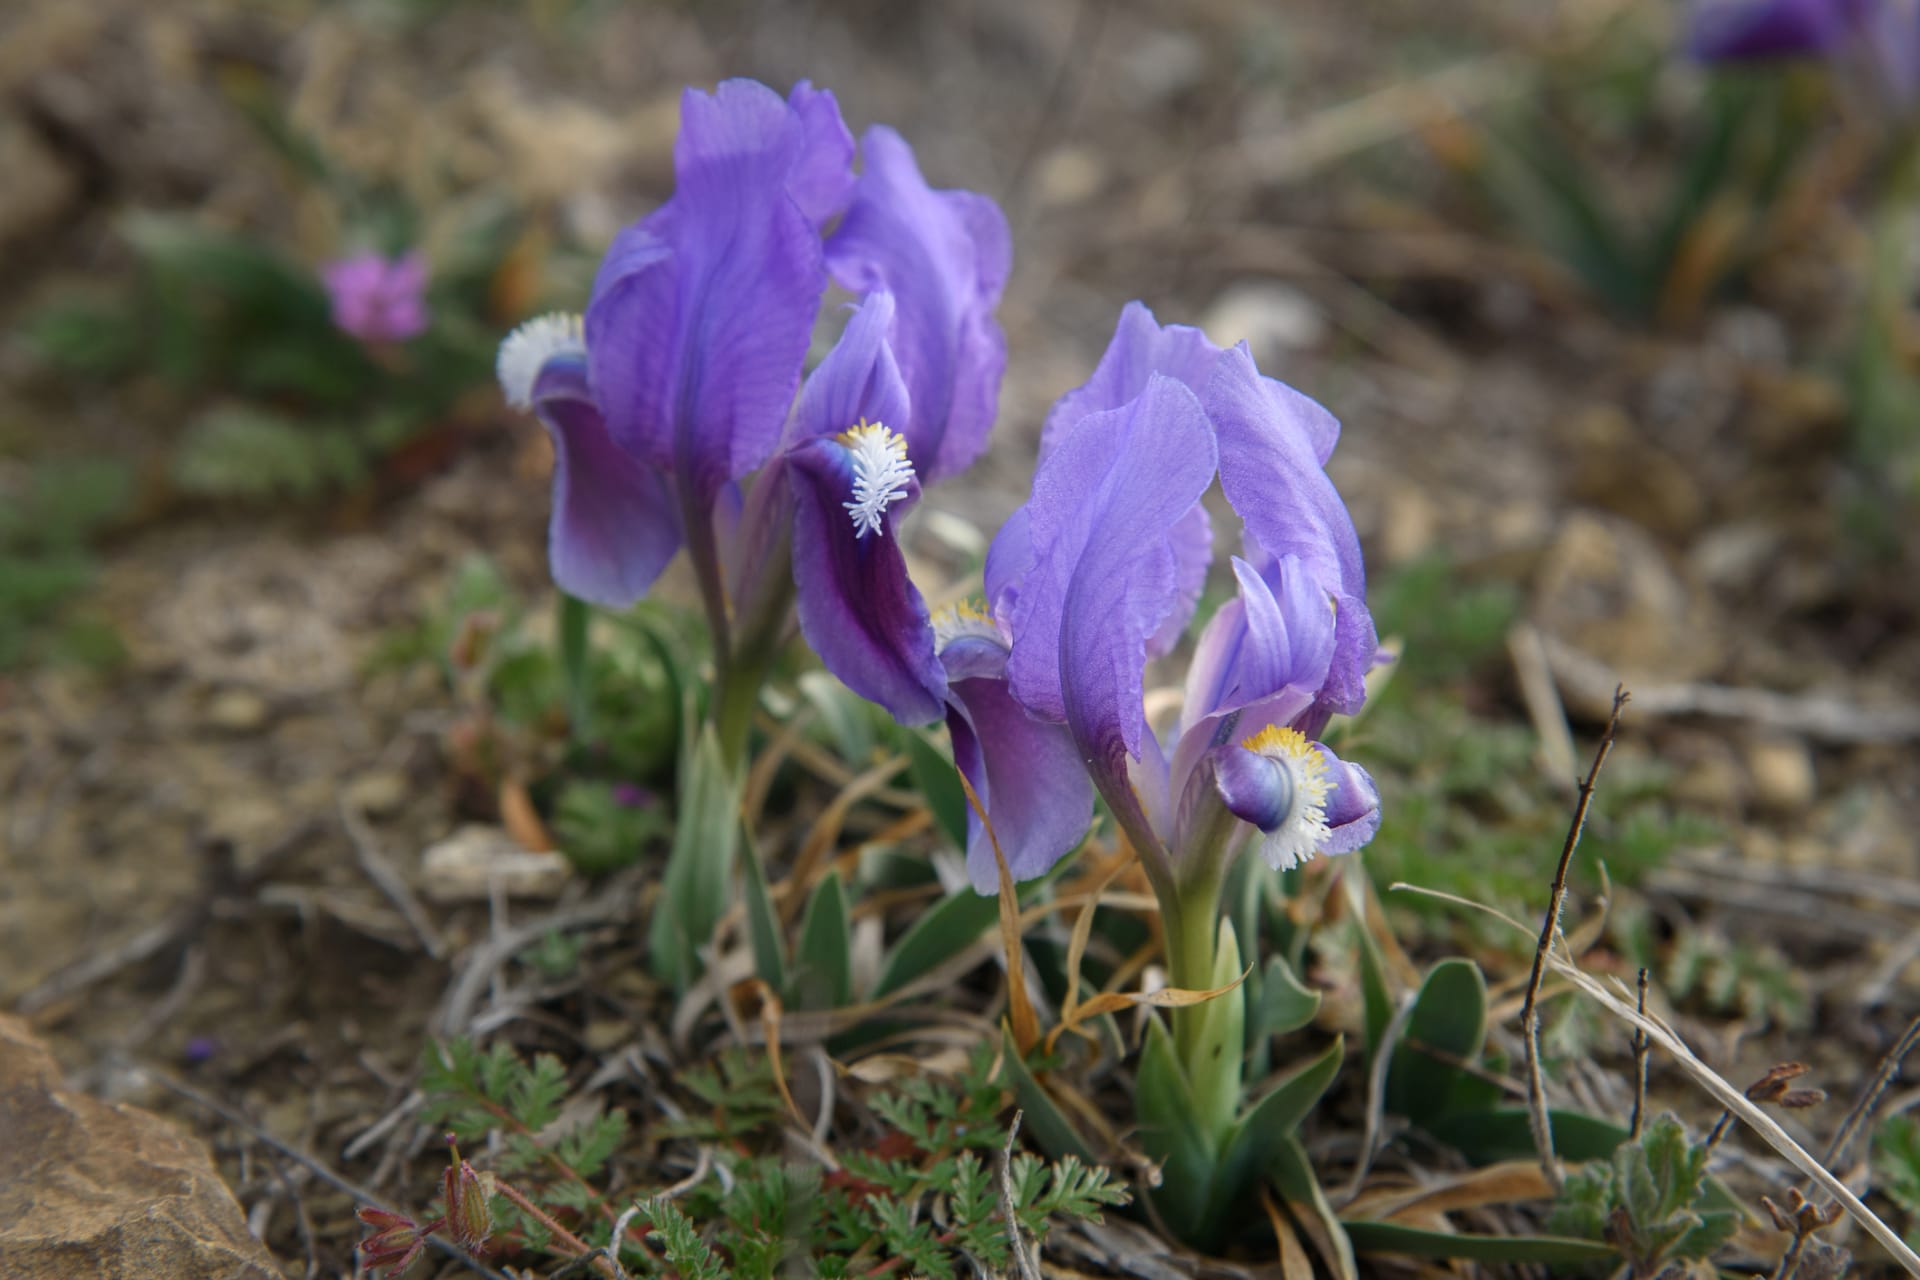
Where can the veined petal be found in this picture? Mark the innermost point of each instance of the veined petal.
(615, 524)
(1277, 634)
(859, 379)
(822, 183)
(701, 315)
(945, 256)
(1272, 475)
(858, 609)
(1026, 772)
(1140, 348)
(1105, 576)
(1192, 543)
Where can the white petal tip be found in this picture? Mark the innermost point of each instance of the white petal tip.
(530, 346)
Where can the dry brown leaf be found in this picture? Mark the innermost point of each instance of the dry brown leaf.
(521, 820)
(1293, 1255)
(1025, 1023)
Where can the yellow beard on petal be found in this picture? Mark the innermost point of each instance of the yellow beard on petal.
(1304, 832)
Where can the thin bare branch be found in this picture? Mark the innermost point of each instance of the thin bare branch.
(1530, 1011)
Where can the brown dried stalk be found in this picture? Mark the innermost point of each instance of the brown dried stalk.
(1530, 1011)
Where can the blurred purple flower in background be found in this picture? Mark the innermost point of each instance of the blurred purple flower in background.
(1758, 30)
(378, 299)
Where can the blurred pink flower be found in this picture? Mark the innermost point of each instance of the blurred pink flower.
(378, 299)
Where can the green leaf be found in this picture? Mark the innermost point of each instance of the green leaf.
(694, 888)
(1377, 1000)
(1044, 1119)
(1274, 1117)
(847, 718)
(952, 926)
(763, 922)
(1449, 1015)
(1391, 1237)
(1285, 1006)
(1172, 1133)
(824, 962)
(1218, 1047)
(935, 777)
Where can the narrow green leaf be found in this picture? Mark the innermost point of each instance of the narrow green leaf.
(942, 933)
(763, 922)
(1391, 1237)
(1043, 1117)
(1172, 1133)
(934, 777)
(1487, 1137)
(1274, 1117)
(824, 977)
(1377, 1000)
(699, 871)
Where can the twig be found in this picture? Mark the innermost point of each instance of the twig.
(1530, 1011)
(478, 968)
(391, 884)
(358, 1193)
(1870, 1096)
(1015, 1241)
(1641, 1046)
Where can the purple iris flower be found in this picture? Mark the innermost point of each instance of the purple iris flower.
(378, 299)
(1100, 572)
(679, 384)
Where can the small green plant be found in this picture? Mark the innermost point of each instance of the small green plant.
(1896, 1168)
(1650, 1201)
(924, 1196)
(50, 516)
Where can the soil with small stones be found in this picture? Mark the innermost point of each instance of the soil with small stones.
(1672, 505)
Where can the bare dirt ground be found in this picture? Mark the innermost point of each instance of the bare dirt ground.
(1670, 505)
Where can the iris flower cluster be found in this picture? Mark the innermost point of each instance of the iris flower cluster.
(672, 403)
(675, 422)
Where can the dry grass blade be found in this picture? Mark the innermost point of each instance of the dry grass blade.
(1293, 1255)
(1508, 1182)
(1077, 950)
(1025, 1023)
(826, 830)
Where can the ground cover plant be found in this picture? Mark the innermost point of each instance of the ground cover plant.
(897, 797)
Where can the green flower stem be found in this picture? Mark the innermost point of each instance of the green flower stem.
(1208, 1038)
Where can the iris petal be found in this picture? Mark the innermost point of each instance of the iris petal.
(701, 315)
(614, 525)
(945, 255)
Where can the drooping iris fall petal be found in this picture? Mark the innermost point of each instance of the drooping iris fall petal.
(857, 607)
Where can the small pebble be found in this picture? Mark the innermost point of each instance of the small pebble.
(238, 711)
(1783, 776)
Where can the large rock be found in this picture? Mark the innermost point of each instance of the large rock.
(88, 1189)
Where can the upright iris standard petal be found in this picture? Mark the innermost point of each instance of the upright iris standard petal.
(1271, 475)
(945, 255)
(1027, 772)
(1303, 799)
(822, 182)
(701, 315)
(614, 525)
(858, 609)
(1140, 348)
(1105, 575)
(1757, 30)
